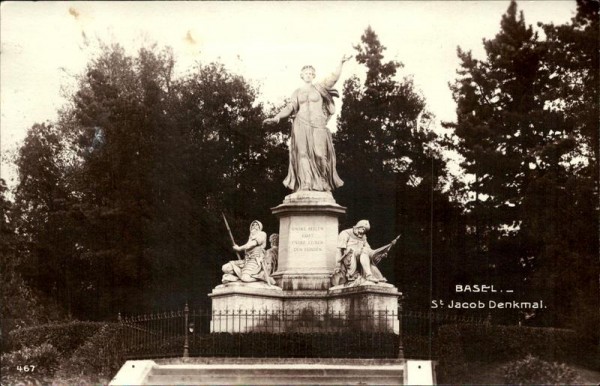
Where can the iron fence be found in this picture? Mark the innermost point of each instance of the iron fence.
(277, 333)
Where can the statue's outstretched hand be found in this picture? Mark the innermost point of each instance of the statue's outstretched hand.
(270, 121)
(346, 58)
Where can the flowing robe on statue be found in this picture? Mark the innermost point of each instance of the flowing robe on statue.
(312, 157)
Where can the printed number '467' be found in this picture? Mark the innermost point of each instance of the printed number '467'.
(26, 369)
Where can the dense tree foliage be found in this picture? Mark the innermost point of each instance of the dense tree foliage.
(122, 198)
(567, 238)
(21, 305)
(524, 128)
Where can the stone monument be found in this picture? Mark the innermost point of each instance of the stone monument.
(319, 269)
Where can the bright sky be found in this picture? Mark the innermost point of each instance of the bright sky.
(45, 44)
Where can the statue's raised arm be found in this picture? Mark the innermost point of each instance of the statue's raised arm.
(312, 157)
(332, 79)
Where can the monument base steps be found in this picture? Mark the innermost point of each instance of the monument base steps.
(273, 372)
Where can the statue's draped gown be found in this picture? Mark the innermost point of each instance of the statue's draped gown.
(312, 157)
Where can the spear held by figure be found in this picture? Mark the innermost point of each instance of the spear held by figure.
(230, 235)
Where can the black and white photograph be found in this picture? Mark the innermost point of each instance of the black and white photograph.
(300, 192)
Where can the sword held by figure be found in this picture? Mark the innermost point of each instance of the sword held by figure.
(230, 235)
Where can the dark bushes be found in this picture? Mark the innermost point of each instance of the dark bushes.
(99, 356)
(64, 337)
(489, 343)
(43, 358)
(28, 364)
(459, 345)
(532, 370)
(51, 347)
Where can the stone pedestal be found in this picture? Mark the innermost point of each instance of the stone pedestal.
(308, 230)
(246, 296)
(378, 303)
(244, 307)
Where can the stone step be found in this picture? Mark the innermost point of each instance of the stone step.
(309, 374)
(351, 372)
(273, 380)
(338, 362)
(309, 370)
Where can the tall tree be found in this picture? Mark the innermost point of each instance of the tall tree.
(567, 235)
(121, 198)
(40, 215)
(500, 121)
(117, 114)
(516, 145)
(21, 305)
(392, 167)
(572, 59)
(229, 164)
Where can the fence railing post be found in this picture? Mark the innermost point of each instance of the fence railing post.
(186, 343)
(121, 336)
(400, 333)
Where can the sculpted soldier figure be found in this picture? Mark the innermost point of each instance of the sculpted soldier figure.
(251, 267)
(356, 261)
(272, 255)
(312, 157)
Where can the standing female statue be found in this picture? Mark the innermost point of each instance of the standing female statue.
(312, 158)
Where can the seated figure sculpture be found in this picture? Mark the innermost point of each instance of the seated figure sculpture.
(356, 261)
(252, 267)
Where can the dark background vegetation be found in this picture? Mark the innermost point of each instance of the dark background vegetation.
(119, 201)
